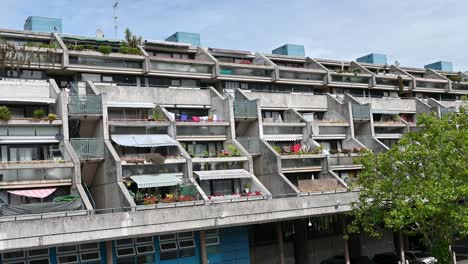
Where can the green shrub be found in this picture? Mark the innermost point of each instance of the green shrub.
(76, 47)
(52, 117)
(134, 51)
(89, 47)
(5, 114)
(105, 49)
(124, 49)
(38, 113)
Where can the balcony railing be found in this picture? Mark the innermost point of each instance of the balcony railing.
(245, 72)
(105, 62)
(350, 79)
(180, 67)
(361, 112)
(88, 148)
(245, 109)
(85, 105)
(7, 176)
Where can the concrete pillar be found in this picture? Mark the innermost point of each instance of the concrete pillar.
(346, 243)
(109, 256)
(300, 241)
(203, 254)
(401, 246)
(279, 234)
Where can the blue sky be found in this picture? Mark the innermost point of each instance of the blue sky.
(414, 32)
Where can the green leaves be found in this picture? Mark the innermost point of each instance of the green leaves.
(416, 186)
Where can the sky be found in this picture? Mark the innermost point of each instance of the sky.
(412, 32)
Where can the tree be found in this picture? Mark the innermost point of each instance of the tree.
(419, 186)
(131, 39)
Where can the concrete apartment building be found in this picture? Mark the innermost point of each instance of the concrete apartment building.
(249, 155)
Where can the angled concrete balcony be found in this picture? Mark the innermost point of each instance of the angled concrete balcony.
(98, 62)
(88, 148)
(301, 75)
(202, 133)
(297, 101)
(181, 67)
(36, 175)
(85, 106)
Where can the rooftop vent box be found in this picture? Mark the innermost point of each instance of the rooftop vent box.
(374, 58)
(185, 37)
(43, 24)
(440, 66)
(290, 50)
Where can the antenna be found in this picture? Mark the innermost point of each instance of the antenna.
(116, 25)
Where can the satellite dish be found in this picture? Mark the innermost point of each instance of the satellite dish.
(397, 63)
(99, 33)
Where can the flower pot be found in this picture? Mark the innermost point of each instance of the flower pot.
(247, 190)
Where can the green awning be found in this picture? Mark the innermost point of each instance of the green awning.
(156, 180)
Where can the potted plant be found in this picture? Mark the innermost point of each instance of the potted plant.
(155, 158)
(139, 198)
(233, 150)
(5, 114)
(247, 187)
(151, 199)
(169, 198)
(52, 117)
(38, 114)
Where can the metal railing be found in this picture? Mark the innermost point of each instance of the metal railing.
(85, 105)
(88, 148)
(245, 109)
(445, 111)
(361, 112)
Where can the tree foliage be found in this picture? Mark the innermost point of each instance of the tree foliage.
(420, 185)
(131, 39)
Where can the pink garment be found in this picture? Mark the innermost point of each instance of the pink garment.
(35, 193)
(195, 119)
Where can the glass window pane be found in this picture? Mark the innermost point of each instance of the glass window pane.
(168, 246)
(66, 249)
(186, 244)
(125, 251)
(11, 255)
(185, 235)
(38, 252)
(167, 237)
(144, 240)
(68, 259)
(145, 249)
(212, 241)
(39, 261)
(90, 256)
(89, 246)
(122, 242)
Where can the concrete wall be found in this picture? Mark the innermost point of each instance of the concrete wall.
(322, 248)
(402, 105)
(269, 254)
(107, 188)
(285, 100)
(163, 96)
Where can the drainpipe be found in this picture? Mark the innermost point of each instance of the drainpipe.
(109, 255)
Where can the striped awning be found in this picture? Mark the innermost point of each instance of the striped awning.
(223, 174)
(21, 99)
(35, 193)
(27, 139)
(156, 180)
(289, 137)
(130, 105)
(144, 141)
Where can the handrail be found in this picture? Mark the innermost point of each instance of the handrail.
(172, 205)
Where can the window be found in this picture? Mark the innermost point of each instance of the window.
(180, 246)
(36, 256)
(138, 250)
(84, 253)
(212, 237)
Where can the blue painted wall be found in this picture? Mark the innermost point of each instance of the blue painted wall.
(43, 24)
(290, 50)
(374, 58)
(441, 66)
(233, 247)
(185, 37)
